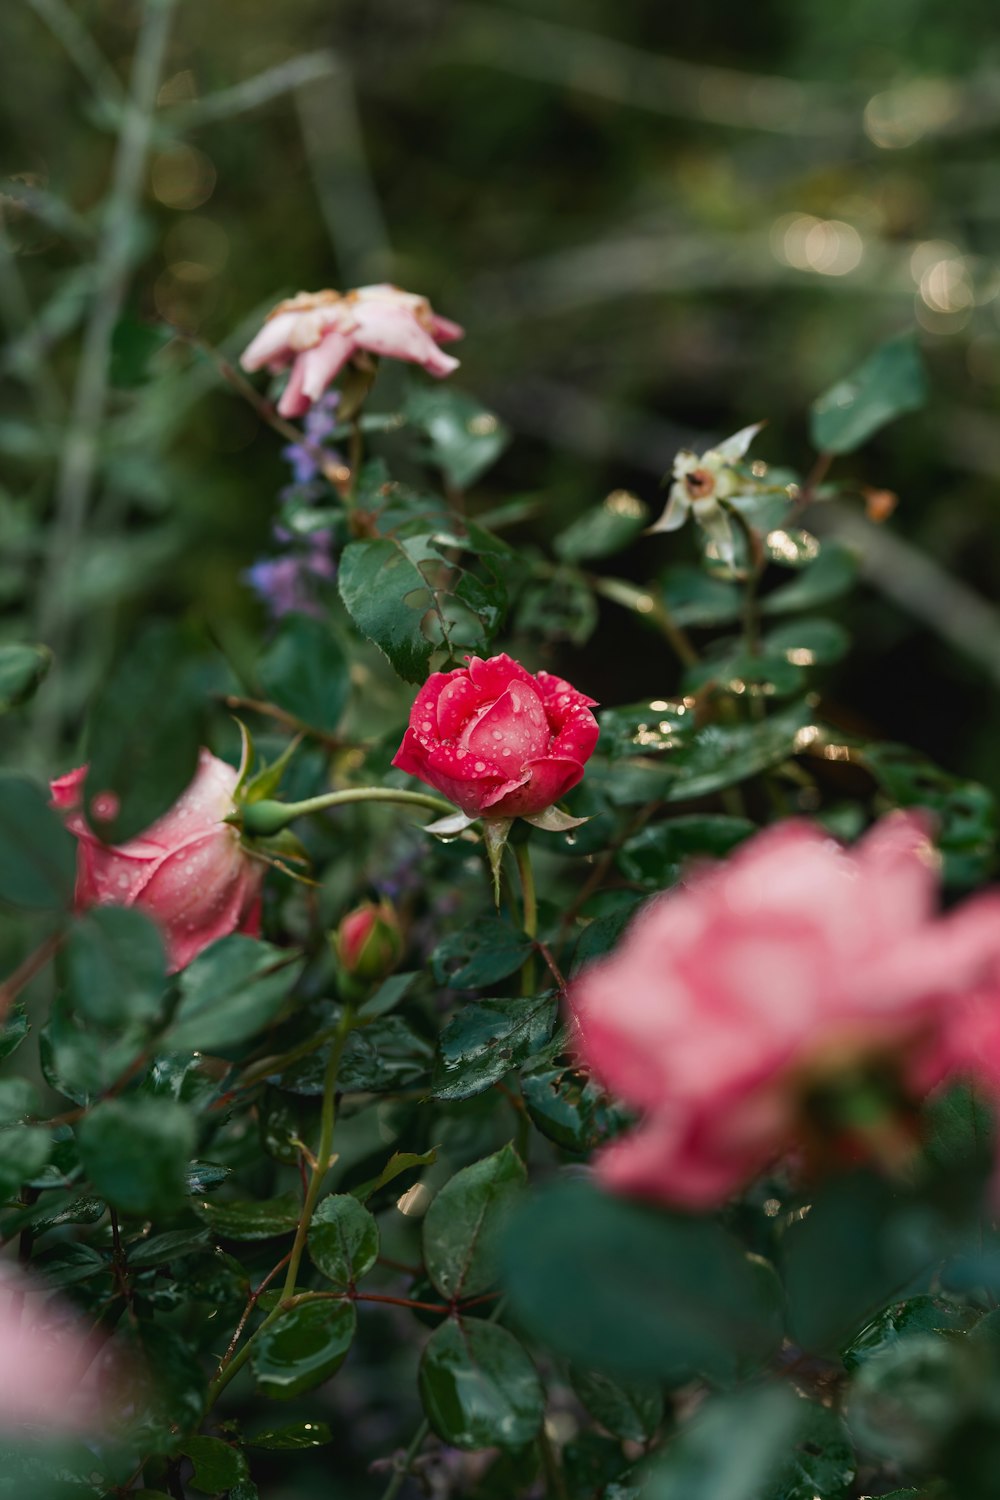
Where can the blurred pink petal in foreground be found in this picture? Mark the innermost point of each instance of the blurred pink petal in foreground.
(44, 1359)
(188, 870)
(794, 966)
(318, 332)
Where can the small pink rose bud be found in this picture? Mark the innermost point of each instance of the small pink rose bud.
(188, 870)
(369, 942)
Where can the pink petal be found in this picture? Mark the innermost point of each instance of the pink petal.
(272, 345)
(512, 728)
(394, 331)
(444, 330)
(322, 365)
(294, 401)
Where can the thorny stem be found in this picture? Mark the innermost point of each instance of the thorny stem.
(522, 854)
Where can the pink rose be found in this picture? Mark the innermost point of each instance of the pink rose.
(318, 332)
(758, 979)
(497, 741)
(188, 869)
(369, 941)
(44, 1360)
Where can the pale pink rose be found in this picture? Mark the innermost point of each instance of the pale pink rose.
(44, 1360)
(496, 740)
(188, 870)
(734, 993)
(318, 332)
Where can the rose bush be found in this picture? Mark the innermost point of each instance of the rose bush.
(497, 740)
(316, 333)
(757, 981)
(188, 870)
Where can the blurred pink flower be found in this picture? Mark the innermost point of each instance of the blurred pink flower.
(785, 968)
(188, 870)
(318, 332)
(497, 741)
(44, 1357)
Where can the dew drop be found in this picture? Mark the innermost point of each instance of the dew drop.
(480, 766)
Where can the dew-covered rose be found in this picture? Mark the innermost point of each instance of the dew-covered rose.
(790, 967)
(496, 740)
(188, 870)
(318, 332)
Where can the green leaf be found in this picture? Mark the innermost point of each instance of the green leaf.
(24, 1150)
(464, 439)
(18, 1098)
(485, 1040)
(831, 575)
(632, 1412)
(388, 995)
(693, 597)
(570, 1109)
(377, 581)
(292, 1439)
(229, 992)
(260, 1220)
(809, 642)
(656, 856)
(765, 673)
(114, 965)
(822, 1464)
(918, 1315)
(305, 672)
(721, 755)
(22, 670)
(965, 812)
(399, 1162)
(908, 1400)
(890, 382)
(844, 1260)
(343, 1240)
(145, 733)
(603, 933)
(479, 954)
(303, 1348)
(162, 1249)
(135, 1151)
(463, 1223)
(478, 1386)
(731, 1450)
(217, 1465)
(603, 530)
(37, 853)
(651, 1295)
(14, 1030)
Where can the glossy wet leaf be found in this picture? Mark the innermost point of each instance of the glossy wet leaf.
(22, 671)
(652, 728)
(303, 1347)
(721, 755)
(479, 954)
(293, 1438)
(917, 1315)
(693, 597)
(478, 1386)
(656, 856)
(114, 965)
(37, 854)
(602, 934)
(768, 674)
(13, 1031)
(252, 1220)
(135, 1152)
(890, 382)
(24, 1150)
(217, 1465)
(568, 1107)
(486, 1039)
(633, 1412)
(463, 1224)
(343, 1240)
(652, 1295)
(809, 642)
(305, 672)
(230, 992)
(906, 1401)
(822, 1463)
(398, 1163)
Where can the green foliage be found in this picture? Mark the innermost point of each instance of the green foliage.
(486, 1040)
(343, 1240)
(303, 1347)
(136, 1151)
(890, 382)
(37, 855)
(478, 1386)
(228, 993)
(462, 1226)
(305, 672)
(23, 669)
(114, 966)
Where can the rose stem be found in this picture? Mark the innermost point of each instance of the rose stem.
(522, 854)
(266, 818)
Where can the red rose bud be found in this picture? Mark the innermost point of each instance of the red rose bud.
(497, 741)
(188, 870)
(369, 943)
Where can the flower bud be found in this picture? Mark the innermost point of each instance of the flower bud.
(369, 942)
